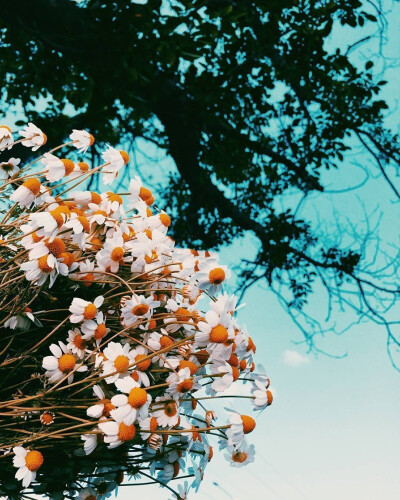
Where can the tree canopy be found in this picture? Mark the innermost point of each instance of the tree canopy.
(243, 95)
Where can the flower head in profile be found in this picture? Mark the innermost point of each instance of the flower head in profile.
(114, 160)
(6, 137)
(82, 140)
(33, 137)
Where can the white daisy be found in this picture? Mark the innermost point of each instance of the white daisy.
(118, 359)
(95, 328)
(84, 310)
(61, 363)
(211, 276)
(133, 404)
(77, 343)
(139, 192)
(82, 140)
(180, 383)
(46, 267)
(138, 308)
(166, 411)
(239, 426)
(25, 194)
(112, 253)
(263, 397)
(9, 168)
(56, 168)
(216, 334)
(115, 159)
(103, 407)
(34, 137)
(6, 137)
(117, 433)
(27, 462)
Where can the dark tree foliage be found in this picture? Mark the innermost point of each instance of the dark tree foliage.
(201, 81)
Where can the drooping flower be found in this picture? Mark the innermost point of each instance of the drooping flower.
(82, 140)
(34, 137)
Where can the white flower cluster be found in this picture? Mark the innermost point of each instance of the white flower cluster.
(148, 322)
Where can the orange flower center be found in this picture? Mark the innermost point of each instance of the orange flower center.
(33, 185)
(34, 460)
(121, 363)
(117, 254)
(68, 165)
(185, 386)
(182, 314)
(233, 360)
(79, 342)
(88, 279)
(235, 373)
(248, 423)
(56, 247)
(96, 198)
(35, 237)
(83, 166)
(153, 424)
(126, 432)
(115, 197)
(137, 397)
(170, 409)
(90, 311)
(124, 155)
(149, 260)
(66, 363)
(165, 219)
(152, 324)
(96, 242)
(85, 223)
(239, 456)
(67, 258)
(135, 376)
(269, 397)
(216, 276)
(202, 356)
(57, 216)
(140, 309)
(219, 334)
(100, 331)
(43, 266)
(188, 364)
(108, 407)
(46, 418)
(91, 139)
(144, 365)
(145, 194)
(165, 341)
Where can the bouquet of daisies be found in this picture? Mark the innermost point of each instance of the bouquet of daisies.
(115, 345)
